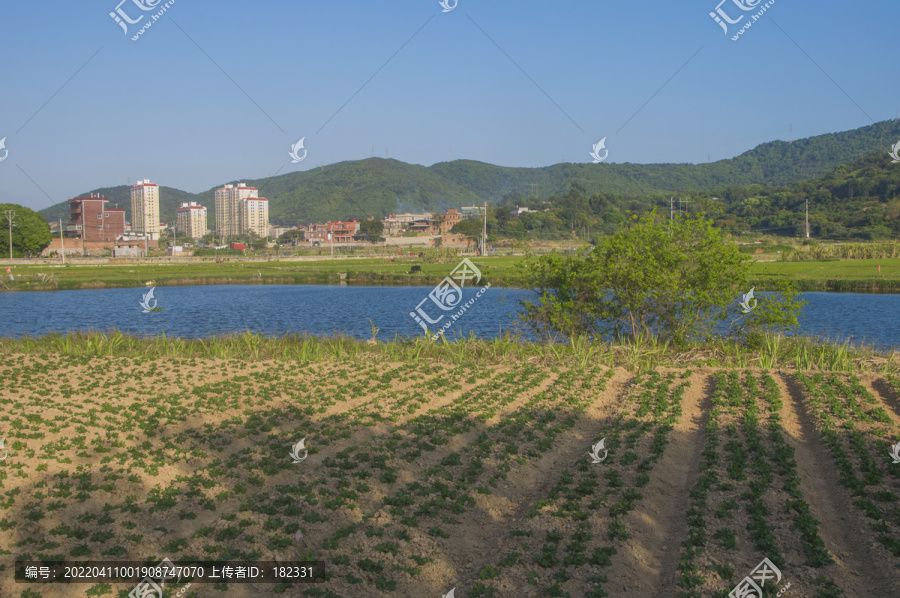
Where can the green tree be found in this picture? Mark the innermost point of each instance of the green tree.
(371, 229)
(30, 231)
(292, 237)
(573, 206)
(644, 282)
(893, 209)
(470, 227)
(770, 312)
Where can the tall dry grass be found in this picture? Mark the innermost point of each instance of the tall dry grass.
(776, 352)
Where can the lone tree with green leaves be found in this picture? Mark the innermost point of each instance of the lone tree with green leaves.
(371, 229)
(470, 227)
(30, 231)
(658, 279)
(291, 237)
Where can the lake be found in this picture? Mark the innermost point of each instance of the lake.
(201, 311)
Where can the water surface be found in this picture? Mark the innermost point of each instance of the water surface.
(201, 311)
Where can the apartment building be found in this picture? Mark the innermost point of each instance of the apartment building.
(190, 220)
(145, 209)
(253, 216)
(228, 208)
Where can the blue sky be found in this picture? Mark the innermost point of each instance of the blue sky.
(219, 91)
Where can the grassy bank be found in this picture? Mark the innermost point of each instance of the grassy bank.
(181, 272)
(860, 275)
(777, 351)
(844, 275)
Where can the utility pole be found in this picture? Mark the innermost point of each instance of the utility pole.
(10, 215)
(807, 217)
(484, 232)
(671, 213)
(791, 138)
(62, 244)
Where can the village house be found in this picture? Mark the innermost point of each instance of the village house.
(341, 232)
(395, 224)
(447, 221)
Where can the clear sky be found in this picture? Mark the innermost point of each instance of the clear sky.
(219, 91)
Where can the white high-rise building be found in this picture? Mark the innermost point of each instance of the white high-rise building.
(228, 213)
(253, 216)
(145, 209)
(190, 220)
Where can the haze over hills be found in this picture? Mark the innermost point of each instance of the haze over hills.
(377, 187)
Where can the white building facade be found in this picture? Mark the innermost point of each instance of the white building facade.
(145, 209)
(228, 208)
(253, 216)
(190, 220)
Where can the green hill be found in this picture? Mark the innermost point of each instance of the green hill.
(860, 200)
(169, 201)
(377, 187)
(373, 187)
(774, 163)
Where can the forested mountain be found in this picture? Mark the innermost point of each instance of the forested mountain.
(377, 187)
(857, 201)
(773, 163)
(860, 200)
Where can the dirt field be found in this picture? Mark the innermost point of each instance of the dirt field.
(424, 478)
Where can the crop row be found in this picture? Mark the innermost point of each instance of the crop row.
(744, 465)
(492, 437)
(95, 413)
(859, 433)
(588, 497)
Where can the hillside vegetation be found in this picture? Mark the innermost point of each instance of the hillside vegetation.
(376, 187)
(860, 200)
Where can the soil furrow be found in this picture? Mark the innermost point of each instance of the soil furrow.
(660, 523)
(459, 441)
(832, 505)
(505, 509)
(887, 394)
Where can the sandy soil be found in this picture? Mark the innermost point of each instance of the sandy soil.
(419, 478)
